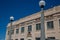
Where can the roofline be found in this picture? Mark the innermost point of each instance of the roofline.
(51, 11)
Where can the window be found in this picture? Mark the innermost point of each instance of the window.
(29, 39)
(50, 25)
(8, 32)
(11, 39)
(22, 29)
(29, 28)
(22, 39)
(12, 31)
(17, 31)
(51, 37)
(16, 39)
(38, 26)
(38, 38)
(59, 22)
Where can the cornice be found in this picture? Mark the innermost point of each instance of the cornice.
(48, 12)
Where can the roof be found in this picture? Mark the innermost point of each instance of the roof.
(36, 15)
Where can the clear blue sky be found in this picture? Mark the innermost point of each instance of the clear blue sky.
(19, 9)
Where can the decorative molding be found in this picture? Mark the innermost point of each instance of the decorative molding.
(37, 20)
(22, 24)
(50, 17)
(50, 32)
(58, 16)
(29, 34)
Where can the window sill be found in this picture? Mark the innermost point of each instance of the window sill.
(22, 33)
(50, 29)
(38, 30)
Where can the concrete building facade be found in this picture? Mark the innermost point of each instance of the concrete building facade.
(28, 28)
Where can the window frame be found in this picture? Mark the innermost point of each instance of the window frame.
(37, 26)
(29, 28)
(50, 25)
(8, 32)
(17, 31)
(37, 38)
(51, 38)
(12, 31)
(22, 38)
(59, 22)
(16, 39)
(22, 29)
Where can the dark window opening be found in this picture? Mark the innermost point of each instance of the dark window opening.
(38, 26)
(22, 39)
(37, 38)
(50, 25)
(29, 28)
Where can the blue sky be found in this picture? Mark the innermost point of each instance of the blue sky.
(19, 9)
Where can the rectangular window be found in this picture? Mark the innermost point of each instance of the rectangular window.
(22, 29)
(12, 31)
(50, 25)
(51, 37)
(29, 28)
(8, 32)
(16, 39)
(22, 39)
(59, 22)
(38, 26)
(17, 31)
(37, 38)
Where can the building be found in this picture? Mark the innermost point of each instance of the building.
(28, 28)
